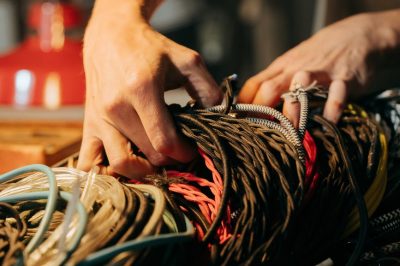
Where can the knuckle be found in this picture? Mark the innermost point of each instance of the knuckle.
(211, 97)
(157, 159)
(271, 90)
(118, 165)
(162, 144)
(135, 81)
(301, 74)
(83, 164)
(111, 105)
(137, 87)
(280, 60)
(251, 83)
(268, 85)
(195, 59)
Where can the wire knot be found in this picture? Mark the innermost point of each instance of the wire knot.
(299, 90)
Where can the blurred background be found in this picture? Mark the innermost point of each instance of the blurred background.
(41, 72)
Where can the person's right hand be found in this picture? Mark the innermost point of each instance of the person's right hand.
(128, 66)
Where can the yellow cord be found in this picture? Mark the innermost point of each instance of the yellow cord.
(375, 192)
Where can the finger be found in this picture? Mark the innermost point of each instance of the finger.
(159, 127)
(126, 119)
(291, 109)
(120, 157)
(90, 153)
(253, 84)
(336, 101)
(201, 85)
(270, 91)
(195, 90)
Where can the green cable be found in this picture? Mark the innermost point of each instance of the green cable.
(170, 222)
(51, 202)
(64, 195)
(105, 254)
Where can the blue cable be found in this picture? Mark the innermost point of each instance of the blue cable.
(51, 202)
(64, 195)
(99, 257)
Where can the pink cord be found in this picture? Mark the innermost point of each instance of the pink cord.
(312, 174)
(208, 207)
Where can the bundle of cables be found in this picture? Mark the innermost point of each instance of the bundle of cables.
(383, 245)
(352, 170)
(103, 219)
(260, 192)
(289, 202)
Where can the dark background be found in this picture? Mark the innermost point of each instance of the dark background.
(233, 36)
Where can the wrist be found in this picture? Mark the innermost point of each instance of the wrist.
(113, 17)
(126, 10)
(387, 29)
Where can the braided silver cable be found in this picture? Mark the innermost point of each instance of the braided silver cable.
(286, 127)
(385, 218)
(391, 226)
(259, 109)
(303, 100)
(388, 249)
(292, 138)
(300, 94)
(271, 124)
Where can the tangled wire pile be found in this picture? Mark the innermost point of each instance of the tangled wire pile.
(261, 192)
(107, 214)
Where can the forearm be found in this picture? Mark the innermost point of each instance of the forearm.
(111, 18)
(138, 10)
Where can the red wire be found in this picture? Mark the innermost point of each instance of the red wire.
(312, 174)
(208, 207)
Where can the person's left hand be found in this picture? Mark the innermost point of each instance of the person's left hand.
(338, 57)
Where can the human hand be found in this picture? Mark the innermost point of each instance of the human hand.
(128, 66)
(343, 57)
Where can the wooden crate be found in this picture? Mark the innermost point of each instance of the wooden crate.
(23, 143)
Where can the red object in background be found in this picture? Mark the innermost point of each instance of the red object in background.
(47, 69)
(71, 16)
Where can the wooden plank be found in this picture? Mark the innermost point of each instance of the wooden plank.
(27, 142)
